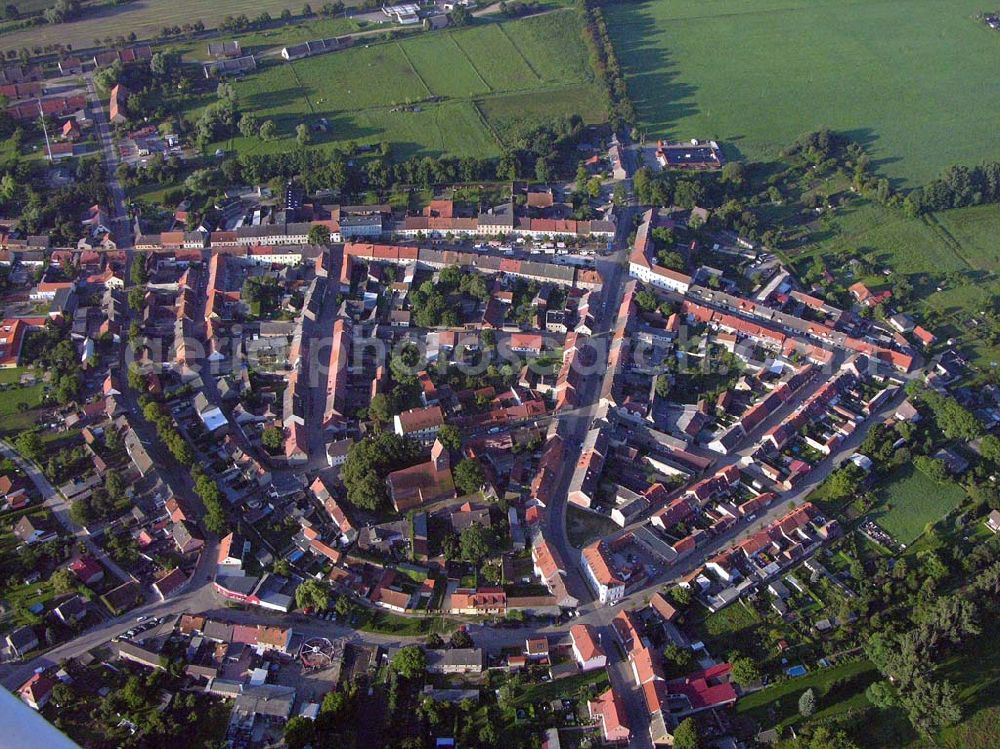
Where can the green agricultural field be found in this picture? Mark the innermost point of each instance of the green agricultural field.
(145, 19)
(912, 501)
(450, 93)
(509, 115)
(443, 67)
(755, 74)
(950, 258)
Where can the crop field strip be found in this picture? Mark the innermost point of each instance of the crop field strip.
(402, 51)
(444, 66)
(431, 92)
(472, 65)
(505, 69)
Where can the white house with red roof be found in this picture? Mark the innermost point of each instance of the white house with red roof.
(586, 649)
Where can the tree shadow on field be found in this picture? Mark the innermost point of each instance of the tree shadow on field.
(868, 138)
(660, 98)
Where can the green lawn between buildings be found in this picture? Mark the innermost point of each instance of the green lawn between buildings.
(755, 74)
(912, 501)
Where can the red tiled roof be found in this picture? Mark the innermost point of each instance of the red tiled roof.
(647, 665)
(598, 563)
(608, 708)
(585, 641)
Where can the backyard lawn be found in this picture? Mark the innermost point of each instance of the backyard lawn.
(755, 74)
(912, 501)
(841, 689)
(732, 628)
(388, 623)
(837, 689)
(11, 375)
(11, 400)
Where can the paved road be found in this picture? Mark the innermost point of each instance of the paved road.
(119, 218)
(60, 508)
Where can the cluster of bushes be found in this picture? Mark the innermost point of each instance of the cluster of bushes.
(183, 30)
(41, 206)
(518, 8)
(370, 461)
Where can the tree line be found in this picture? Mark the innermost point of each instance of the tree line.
(604, 62)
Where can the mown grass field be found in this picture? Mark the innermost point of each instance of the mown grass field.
(11, 400)
(449, 93)
(777, 705)
(913, 500)
(145, 18)
(757, 73)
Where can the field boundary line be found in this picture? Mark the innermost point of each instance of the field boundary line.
(524, 57)
(302, 88)
(486, 123)
(489, 88)
(932, 223)
(414, 69)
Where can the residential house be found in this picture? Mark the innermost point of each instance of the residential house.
(21, 641)
(170, 582)
(599, 574)
(32, 531)
(609, 711)
(420, 423)
(993, 521)
(37, 690)
(646, 665)
(71, 610)
(586, 649)
(187, 537)
(663, 607)
(455, 661)
(87, 570)
(537, 648)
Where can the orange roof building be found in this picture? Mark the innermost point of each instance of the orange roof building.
(609, 711)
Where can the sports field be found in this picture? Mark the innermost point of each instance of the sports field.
(448, 93)
(913, 80)
(145, 18)
(913, 501)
